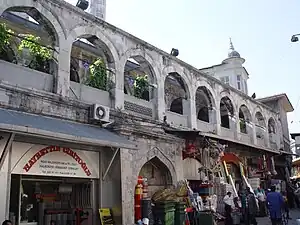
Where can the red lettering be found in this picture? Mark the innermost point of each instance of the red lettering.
(26, 168)
(88, 173)
(67, 151)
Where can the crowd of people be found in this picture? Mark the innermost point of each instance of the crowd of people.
(250, 204)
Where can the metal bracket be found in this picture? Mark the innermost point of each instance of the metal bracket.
(6, 149)
(110, 163)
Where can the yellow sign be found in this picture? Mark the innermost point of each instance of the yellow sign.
(106, 217)
(242, 169)
(225, 167)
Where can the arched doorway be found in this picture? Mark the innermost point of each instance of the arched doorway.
(157, 174)
(234, 164)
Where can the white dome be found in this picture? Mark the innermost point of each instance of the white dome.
(232, 52)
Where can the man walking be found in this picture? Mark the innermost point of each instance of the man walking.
(261, 202)
(250, 208)
(275, 203)
(228, 202)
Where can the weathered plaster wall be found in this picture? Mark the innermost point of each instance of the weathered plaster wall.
(70, 23)
(167, 148)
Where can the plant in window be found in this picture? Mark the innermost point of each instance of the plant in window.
(243, 126)
(98, 75)
(41, 55)
(141, 87)
(6, 52)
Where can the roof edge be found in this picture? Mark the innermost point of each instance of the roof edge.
(289, 107)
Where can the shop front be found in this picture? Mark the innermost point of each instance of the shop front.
(54, 171)
(52, 184)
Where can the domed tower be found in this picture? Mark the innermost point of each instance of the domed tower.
(233, 55)
(235, 73)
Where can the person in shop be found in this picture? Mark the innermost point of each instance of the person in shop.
(250, 209)
(260, 194)
(228, 202)
(7, 222)
(275, 203)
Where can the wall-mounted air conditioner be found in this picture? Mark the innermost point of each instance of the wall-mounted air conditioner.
(99, 113)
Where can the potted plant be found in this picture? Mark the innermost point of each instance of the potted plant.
(6, 52)
(98, 75)
(38, 56)
(141, 87)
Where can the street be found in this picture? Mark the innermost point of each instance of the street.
(294, 214)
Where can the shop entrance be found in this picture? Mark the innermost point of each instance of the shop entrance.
(38, 200)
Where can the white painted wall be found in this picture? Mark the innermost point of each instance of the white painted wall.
(231, 68)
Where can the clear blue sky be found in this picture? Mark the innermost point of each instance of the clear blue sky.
(260, 31)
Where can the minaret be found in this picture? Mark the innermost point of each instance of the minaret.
(233, 55)
(98, 8)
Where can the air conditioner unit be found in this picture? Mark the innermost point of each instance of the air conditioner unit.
(99, 113)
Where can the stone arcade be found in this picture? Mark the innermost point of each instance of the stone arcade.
(51, 105)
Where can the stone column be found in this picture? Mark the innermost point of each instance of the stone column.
(235, 125)
(62, 80)
(218, 119)
(119, 87)
(189, 108)
(127, 186)
(254, 140)
(161, 105)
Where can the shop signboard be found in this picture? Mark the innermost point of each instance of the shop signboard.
(57, 161)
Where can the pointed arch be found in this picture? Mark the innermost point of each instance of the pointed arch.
(156, 152)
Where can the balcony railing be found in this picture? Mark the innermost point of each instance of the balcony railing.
(177, 119)
(25, 77)
(89, 94)
(228, 133)
(246, 138)
(206, 127)
(139, 106)
(261, 142)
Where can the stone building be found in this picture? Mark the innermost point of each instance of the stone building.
(67, 129)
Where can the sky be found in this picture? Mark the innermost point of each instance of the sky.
(260, 30)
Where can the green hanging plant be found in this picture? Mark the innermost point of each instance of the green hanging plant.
(6, 52)
(141, 87)
(4, 35)
(41, 55)
(98, 75)
(243, 126)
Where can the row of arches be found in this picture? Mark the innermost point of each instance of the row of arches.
(139, 71)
